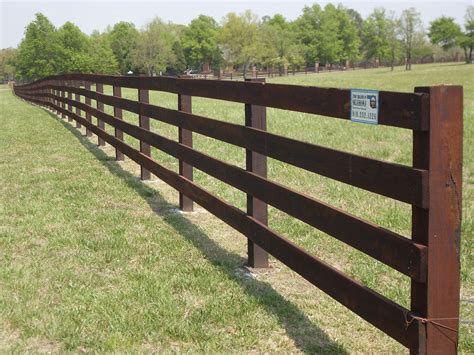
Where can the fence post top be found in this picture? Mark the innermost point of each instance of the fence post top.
(427, 89)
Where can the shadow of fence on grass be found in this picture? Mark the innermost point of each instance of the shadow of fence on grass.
(308, 337)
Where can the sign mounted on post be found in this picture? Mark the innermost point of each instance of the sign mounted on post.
(365, 106)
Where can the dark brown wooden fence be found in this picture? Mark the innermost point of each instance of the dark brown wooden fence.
(432, 186)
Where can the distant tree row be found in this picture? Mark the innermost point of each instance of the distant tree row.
(329, 35)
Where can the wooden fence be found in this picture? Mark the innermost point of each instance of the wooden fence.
(432, 186)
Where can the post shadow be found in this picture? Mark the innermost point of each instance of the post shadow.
(296, 324)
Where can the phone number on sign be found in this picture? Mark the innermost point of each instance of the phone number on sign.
(366, 115)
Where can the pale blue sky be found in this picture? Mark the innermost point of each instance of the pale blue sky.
(96, 15)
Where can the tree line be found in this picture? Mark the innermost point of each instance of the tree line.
(327, 36)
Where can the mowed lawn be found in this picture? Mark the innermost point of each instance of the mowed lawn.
(92, 259)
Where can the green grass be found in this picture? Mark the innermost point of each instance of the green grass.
(92, 259)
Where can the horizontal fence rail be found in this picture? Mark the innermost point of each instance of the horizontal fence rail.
(431, 186)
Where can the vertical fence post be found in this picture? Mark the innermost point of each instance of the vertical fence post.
(185, 137)
(100, 106)
(56, 93)
(69, 96)
(118, 114)
(439, 150)
(53, 100)
(256, 117)
(77, 98)
(63, 95)
(47, 91)
(144, 122)
(87, 86)
(44, 96)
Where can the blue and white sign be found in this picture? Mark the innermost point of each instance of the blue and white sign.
(365, 106)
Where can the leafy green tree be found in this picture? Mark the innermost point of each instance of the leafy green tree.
(7, 63)
(154, 52)
(72, 38)
(376, 35)
(394, 44)
(357, 21)
(38, 52)
(123, 38)
(422, 48)
(200, 42)
(348, 34)
(74, 54)
(307, 29)
(278, 42)
(330, 43)
(444, 32)
(179, 65)
(409, 26)
(102, 59)
(328, 35)
(466, 40)
(240, 43)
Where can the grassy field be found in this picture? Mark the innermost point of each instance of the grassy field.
(92, 259)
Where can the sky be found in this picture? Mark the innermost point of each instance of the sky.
(97, 15)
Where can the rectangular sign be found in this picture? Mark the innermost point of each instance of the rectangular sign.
(365, 106)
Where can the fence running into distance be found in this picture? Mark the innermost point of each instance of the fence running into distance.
(432, 186)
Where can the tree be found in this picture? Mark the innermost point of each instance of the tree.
(278, 42)
(179, 65)
(376, 32)
(7, 63)
(444, 32)
(348, 34)
(102, 59)
(307, 28)
(318, 32)
(392, 40)
(466, 40)
(330, 43)
(239, 39)
(328, 36)
(73, 54)
(356, 20)
(123, 38)
(39, 50)
(200, 42)
(422, 48)
(409, 25)
(153, 52)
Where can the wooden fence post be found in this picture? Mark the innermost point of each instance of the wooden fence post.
(100, 106)
(185, 137)
(439, 150)
(87, 86)
(77, 98)
(48, 99)
(256, 117)
(144, 122)
(63, 95)
(60, 94)
(55, 93)
(119, 115)
(69, 96)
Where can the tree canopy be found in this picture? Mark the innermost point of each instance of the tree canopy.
(239, 40)
(200, 42)
(154, 48)
(409, 26)
(326, 35)
(123, 39)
